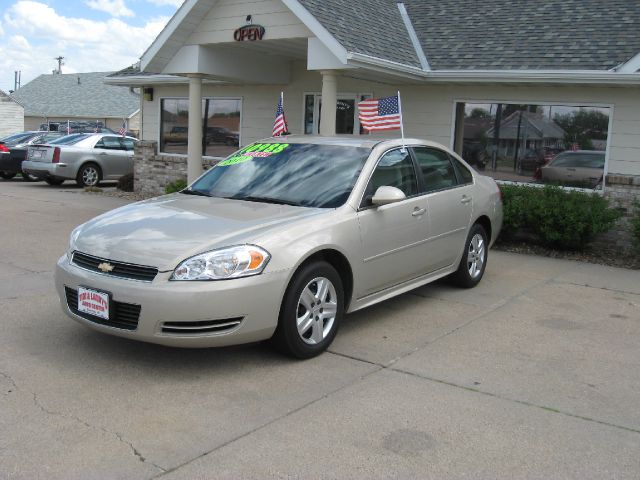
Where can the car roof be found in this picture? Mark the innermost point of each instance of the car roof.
(350, 140)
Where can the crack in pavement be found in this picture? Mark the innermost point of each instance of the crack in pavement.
(119, 436)
(615, 290)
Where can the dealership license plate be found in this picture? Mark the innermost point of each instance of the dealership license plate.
(93, 302)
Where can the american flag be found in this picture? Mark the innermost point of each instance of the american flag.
(123, 128)
(380, 114)
(280, 124)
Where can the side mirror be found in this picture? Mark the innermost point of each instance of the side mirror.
(385, 195)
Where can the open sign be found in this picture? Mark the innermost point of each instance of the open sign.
(249, 33)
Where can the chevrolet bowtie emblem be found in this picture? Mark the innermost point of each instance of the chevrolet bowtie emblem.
(106, 267)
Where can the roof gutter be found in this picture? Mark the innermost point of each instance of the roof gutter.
(156, 79)
(534, 76)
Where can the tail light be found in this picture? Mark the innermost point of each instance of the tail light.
(56, 155)
(3, 148)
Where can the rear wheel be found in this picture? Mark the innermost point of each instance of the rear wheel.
(7, 175)
(89, 175)
(474, 259)
(311, 311)
(54, 181)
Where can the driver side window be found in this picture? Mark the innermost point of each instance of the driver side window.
(395, 169)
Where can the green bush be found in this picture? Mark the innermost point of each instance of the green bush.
(125, 183)
(558, 218)
(635, 225)
(176, 186)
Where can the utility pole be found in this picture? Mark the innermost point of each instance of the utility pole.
(60, 63)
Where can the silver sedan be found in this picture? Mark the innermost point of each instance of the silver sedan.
(279, 241)
(84, 157)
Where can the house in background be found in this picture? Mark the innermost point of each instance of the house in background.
(12, 115)
(78, 97)
(532, 130)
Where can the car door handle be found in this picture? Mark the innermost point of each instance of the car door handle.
(418, 211)
(465, 199)
(102, 153)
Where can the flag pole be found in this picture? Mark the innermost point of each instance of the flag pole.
(404, 149)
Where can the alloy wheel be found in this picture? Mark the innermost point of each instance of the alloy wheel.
(476, 256)
(316, 312)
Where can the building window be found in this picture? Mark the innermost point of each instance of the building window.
(545, 144)
(220, 125)
(346, 113)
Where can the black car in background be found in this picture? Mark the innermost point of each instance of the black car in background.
(13, 150)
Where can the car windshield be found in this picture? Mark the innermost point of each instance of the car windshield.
(17, 138)
(576, 160)
(292, 174)
(70, 139)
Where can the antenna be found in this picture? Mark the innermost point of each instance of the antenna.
(60, 63)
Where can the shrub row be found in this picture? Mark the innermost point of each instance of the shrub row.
(635, 225)
(176, 186)
(557, 218)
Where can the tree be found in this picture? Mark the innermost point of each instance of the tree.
(479, 113)
(582, 126)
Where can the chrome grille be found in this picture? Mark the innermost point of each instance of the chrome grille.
(120, 269)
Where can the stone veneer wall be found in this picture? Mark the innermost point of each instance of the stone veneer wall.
(153, 172)
(622, 191)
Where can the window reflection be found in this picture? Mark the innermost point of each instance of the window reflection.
(221, 126)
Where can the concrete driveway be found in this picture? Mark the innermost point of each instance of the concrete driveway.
(533, 374)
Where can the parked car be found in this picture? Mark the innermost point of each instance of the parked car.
(279, 241)
(177, 135)
(13, 151)
(583, 168)
(87, 158)
(222, 135)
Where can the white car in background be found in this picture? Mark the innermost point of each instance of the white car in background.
(84, 157)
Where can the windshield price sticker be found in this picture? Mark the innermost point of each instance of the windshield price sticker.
(256, 150)
(93, 302)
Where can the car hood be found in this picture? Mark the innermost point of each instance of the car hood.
(166, 230)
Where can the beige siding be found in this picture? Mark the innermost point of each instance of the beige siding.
(428, 110)
(11, 116)
(221, 21)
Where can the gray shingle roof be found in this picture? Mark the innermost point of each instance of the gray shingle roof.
(527, 34)
(489, 35)
(76, 95)
(369, 27)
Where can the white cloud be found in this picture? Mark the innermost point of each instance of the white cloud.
(1, 30)
(87, 45)
(115, 8)
(174, 3)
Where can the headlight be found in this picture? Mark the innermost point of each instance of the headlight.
(231, 262)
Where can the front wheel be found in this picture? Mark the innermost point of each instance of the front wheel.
(474, 259)
(7, 175)
(311, 311)
(89, 175)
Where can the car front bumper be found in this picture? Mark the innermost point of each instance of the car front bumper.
(255, 300)
(44, 170)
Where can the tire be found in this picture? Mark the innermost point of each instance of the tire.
(7, 175)
(299, 334)
(27, 177)
(54, 181)
(89, 175)
(474, 259)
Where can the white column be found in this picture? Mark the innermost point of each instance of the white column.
(329, 103)
(194, 145)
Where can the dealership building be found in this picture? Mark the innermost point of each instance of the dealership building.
(213, 77)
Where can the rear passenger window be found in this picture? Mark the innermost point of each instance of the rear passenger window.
(437, 169)
(110, 143)
(465, 174)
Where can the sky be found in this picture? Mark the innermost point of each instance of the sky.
(91, 35)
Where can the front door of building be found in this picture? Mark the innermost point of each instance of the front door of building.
(346, 114)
